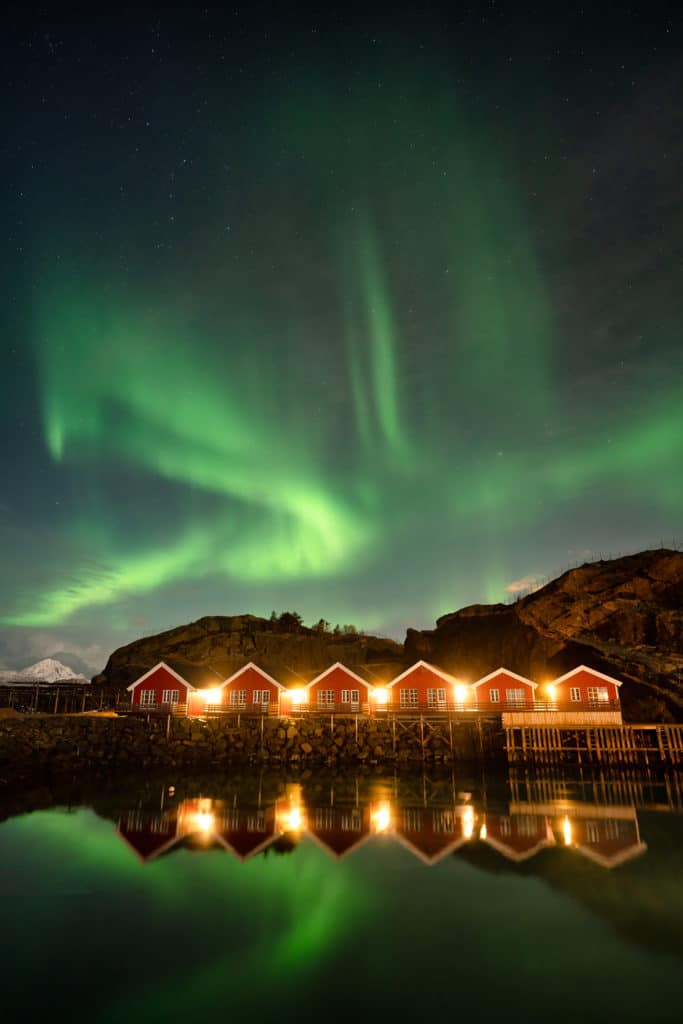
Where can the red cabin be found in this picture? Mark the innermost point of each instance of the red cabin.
(585, 686)
(172, 684)
(252, 689)
(504, 689)
(423, 686)
(337, 689)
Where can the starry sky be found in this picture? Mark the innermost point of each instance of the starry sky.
(366, 316)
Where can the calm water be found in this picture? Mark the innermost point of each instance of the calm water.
(523, 899)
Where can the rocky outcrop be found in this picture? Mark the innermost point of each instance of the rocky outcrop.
(225, 643)
(623, 617)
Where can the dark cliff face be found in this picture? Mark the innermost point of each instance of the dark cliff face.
(623, 617)
(226, 643)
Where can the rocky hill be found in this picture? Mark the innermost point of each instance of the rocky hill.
(623, 617)
(225, 643)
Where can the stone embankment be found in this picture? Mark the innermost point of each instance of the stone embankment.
(91, 743)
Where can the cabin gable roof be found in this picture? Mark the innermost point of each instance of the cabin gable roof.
(423, 664)
(507, 672)
(250, 665)
(591, 671)
(344, 668)
(151, 671)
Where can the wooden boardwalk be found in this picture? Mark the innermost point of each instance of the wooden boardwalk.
(597, 744)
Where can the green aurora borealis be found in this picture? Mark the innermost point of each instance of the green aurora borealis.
(346, 344)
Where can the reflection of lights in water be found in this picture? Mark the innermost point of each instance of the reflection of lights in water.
(567, 831)
(482, 831)
(381, 816)
(461, 693)
(204, 821)
(468, 822)
(293, 820)
(381, 695)
(291, 816)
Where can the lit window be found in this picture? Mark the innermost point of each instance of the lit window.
(408, 698)
(597, 694)
(515, 696)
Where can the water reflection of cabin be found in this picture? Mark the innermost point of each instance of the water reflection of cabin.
(607, 835)
(339, 830)
(517, 836)
(431, 833)
(200, 823)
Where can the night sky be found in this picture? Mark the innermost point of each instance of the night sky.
(366, 315)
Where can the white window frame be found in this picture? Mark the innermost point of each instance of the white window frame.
(408, 697)
(326, 698)
(265, 698)
(355, 698)
(436, 696)
(598, 694)
(256, 697)
(575, 694)
(170, 697)
(494, 695)
(238, 698)
(515, 695)
(346, 696)
(148, 698)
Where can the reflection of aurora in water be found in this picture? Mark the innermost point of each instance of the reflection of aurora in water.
(352, 912)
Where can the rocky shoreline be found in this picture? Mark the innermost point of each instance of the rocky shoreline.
(30, 745)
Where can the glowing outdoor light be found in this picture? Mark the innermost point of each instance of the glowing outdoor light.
(567, 831)
(381, 816)
(461, 693)
(381, 695)
(213, 696)
(551, 690)
(297, 696)
(482, 831)
(468, 822)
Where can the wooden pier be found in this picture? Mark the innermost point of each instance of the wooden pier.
(597, 744)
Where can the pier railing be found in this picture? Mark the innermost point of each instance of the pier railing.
(461, 709)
